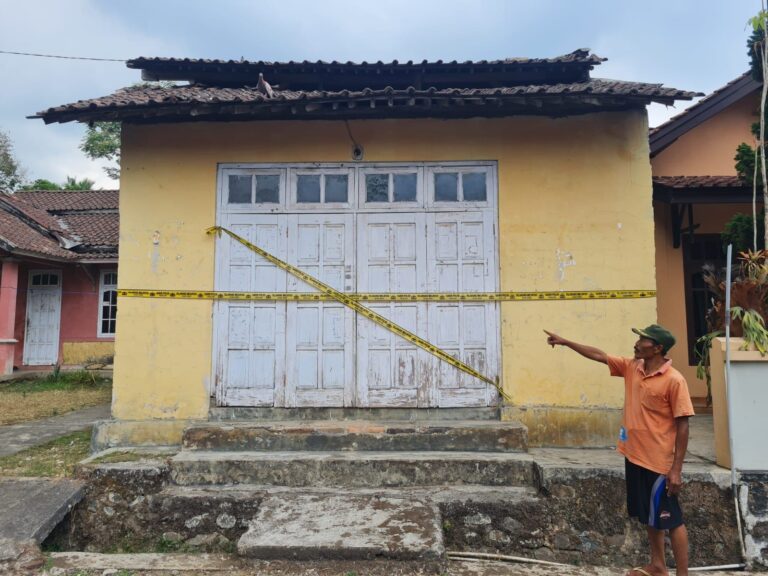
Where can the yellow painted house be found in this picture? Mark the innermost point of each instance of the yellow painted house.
(427, 178)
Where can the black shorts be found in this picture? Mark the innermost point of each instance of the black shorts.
(647, 498)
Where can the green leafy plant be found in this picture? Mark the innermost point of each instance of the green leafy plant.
(701, 351)
(754, 331)
(749, 309)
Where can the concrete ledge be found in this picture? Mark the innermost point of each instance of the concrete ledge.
(131, 433)
(550, 426)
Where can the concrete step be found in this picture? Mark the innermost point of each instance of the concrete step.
(340, 435)
(32, 507)
(263, 413)
(252, 494)
(352, 469)
(344, 526)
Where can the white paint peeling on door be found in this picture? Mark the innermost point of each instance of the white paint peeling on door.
(41, 333)
(321, 353)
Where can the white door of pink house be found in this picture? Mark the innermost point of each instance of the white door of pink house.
(41, 333)
(365, 228)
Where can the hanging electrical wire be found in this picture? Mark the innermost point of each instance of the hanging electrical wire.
(60, 57)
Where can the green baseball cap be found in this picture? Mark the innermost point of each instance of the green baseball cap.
(658, 334)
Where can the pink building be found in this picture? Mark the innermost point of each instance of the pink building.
(58, 279)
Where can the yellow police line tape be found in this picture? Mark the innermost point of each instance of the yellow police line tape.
(390, 297)
(353, 301)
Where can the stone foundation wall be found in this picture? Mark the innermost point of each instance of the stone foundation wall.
(124, 511)
(583, 521)
(576, 517)
(753, 500)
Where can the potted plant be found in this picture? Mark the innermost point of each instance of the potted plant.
(748, 378)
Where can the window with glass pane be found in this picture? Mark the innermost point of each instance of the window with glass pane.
(108, 304)
(446, 187)
(377, 187)
(308, 188)
(239, 189)
(336, 187)
(404, 187)
(268, 188)
(473, 186)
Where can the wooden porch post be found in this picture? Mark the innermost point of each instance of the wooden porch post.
(9, 282)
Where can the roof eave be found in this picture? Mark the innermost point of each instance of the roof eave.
(367, 107)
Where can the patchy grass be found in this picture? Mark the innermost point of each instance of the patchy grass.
(57, 458)
(58, 393)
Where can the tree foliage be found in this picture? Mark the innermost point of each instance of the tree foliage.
(41, 184)
(75, 184)
(11, 173)
(739, 232)
(102, 142)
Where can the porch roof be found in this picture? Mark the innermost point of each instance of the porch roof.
(702, 190)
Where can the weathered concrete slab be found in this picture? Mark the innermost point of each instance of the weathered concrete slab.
(364, 435)
(261, 414)
(32, 507)
(17, 437)
(196, 564)
(162, 562)
(352, 469)
(305, 527)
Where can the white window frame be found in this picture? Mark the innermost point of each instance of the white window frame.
(322, 171)
(461, 169)
(357, 170)
(390, 204)
(103, 288)
(252, 206)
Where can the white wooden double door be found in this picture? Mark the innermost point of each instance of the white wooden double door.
(310, 353)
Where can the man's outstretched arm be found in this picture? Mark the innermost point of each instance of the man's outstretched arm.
(587, 351)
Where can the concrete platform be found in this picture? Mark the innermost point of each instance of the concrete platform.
(341, 526)
(197, 564)
(352, 469)
(32, 507)
(363, 435)
(264, 413)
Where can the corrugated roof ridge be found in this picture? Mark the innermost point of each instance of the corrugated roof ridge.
(580, 55)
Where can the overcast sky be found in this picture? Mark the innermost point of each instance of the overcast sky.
(688, 44)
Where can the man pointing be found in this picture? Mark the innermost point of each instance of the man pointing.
(653, 438)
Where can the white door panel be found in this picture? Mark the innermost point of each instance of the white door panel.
(249, 338)
(41, 335)
(391, 258)
(462, 255)
(320, 339)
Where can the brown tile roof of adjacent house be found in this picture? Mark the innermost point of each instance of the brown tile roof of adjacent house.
(240, 89)
(60, 225)
(70, 200)
(700, 182)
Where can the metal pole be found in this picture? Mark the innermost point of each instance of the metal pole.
(728, 403)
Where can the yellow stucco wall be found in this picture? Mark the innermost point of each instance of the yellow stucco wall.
(574, 214)
(709, 148)
(84, 352)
